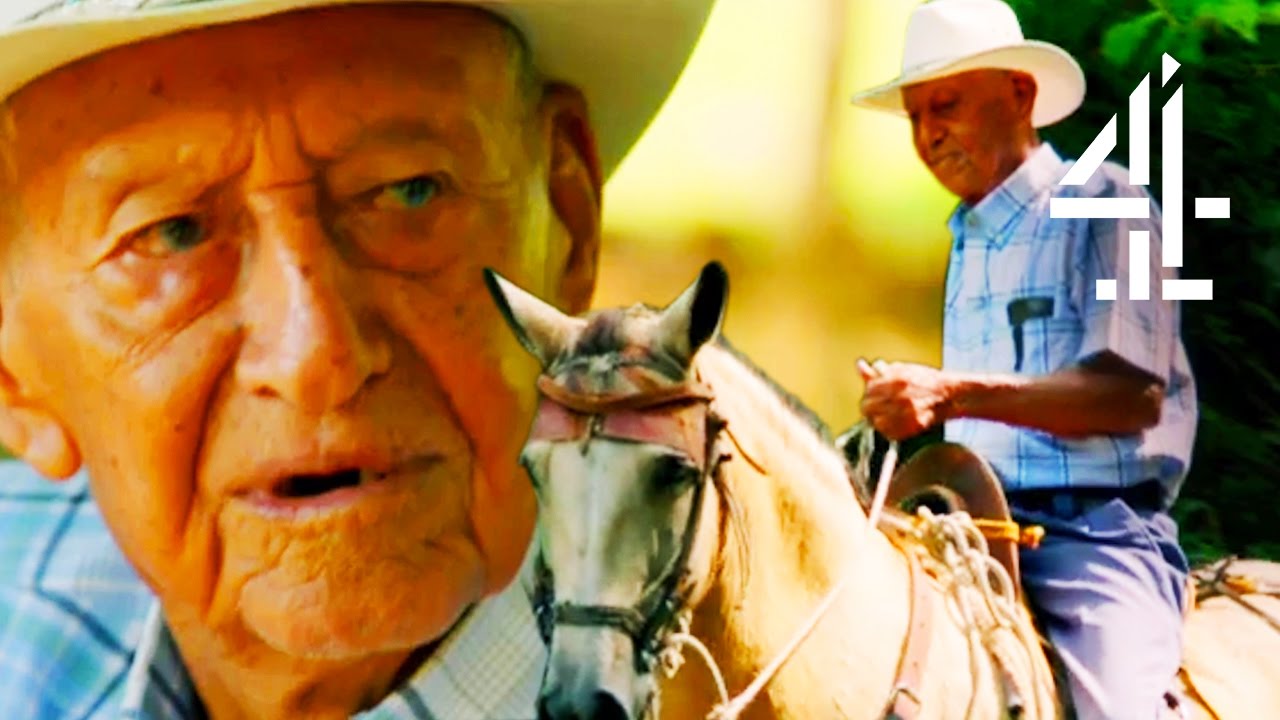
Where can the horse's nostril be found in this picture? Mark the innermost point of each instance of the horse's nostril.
(600, 705)
(543, 713)
(604, 706)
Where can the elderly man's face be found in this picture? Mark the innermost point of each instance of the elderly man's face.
(971, 129)
(244, 284)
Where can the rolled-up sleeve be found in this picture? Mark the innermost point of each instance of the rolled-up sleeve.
(1141, 332)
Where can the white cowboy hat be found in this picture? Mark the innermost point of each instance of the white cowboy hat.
(945, 37)
(624, 55)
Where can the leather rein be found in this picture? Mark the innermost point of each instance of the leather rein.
(679, 417)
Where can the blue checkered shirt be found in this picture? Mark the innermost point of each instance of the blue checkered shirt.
(81, 637)
(1013, 265)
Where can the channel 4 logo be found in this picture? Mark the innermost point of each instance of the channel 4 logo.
(1140, 208)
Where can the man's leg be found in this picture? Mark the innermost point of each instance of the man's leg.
(1108, 587)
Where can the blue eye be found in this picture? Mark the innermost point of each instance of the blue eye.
(182, 233)
(170, 236)
(413, 192)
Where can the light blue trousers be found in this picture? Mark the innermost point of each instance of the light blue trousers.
(1108, 587)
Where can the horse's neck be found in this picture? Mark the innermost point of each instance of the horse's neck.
(804, 531)
(806, 475)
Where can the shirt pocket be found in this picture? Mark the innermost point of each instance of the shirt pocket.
(1046, 335)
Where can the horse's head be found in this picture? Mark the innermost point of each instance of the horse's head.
(621, 451)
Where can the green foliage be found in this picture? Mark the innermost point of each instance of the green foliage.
(1229, 52)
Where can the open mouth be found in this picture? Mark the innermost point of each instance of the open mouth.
(294, 489)
(311, 486)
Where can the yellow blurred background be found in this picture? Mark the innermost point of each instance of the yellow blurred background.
(833, 233)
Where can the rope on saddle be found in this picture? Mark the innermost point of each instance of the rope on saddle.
(982, 595)
(1216, 580)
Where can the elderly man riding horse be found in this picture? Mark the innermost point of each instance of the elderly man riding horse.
(1085, 407)
(244, 322)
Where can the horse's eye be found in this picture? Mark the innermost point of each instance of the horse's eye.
(674, 470)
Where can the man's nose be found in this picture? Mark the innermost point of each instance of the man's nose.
(929, 133)
(310, 337)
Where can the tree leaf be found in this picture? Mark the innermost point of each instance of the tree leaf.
(1186, 45)
(1120, 42)
(1239, 15)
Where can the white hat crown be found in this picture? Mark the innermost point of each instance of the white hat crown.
(946, 37)
(624, 56)
(943, 30)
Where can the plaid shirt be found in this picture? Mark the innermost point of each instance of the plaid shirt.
(1021, 298)
(82, 638)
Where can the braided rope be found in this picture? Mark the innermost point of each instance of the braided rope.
(982, 594)
(671, 658)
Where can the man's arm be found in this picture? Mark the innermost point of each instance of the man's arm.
(1106, 396)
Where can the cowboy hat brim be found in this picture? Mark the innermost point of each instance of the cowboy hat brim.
(1060, 82)
(624, 56)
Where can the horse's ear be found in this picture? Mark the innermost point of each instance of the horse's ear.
(541, 329)
(695, 317)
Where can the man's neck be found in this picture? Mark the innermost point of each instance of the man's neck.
(1011, 162)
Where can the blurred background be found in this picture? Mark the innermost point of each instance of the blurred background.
(834, 233)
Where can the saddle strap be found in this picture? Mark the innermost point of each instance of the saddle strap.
(904, 700)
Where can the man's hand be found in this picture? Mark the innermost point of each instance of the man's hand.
(1103, 396)
(903, 399)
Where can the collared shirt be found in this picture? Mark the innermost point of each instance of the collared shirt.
(1021, 298)
(82, 638)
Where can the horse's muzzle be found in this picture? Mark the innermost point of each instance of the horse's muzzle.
(594, 705)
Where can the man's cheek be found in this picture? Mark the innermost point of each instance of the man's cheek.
(503, 514)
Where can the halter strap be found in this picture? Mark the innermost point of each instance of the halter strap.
(602, 403)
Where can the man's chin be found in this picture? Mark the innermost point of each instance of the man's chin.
(348, 611)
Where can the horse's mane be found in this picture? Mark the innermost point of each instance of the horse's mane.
(604, 335)
(793, 403)
(810, 418)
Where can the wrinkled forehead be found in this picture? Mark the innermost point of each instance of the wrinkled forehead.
(330, 71)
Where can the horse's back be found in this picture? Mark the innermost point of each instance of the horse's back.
(1232, 651)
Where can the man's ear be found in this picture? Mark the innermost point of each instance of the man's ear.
(574, 183)
(34, 435)
(1024, 93)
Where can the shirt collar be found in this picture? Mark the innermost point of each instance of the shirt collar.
(489, 666)
(988, 219)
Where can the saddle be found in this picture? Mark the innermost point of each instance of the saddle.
(947, 477)
(1232, 614)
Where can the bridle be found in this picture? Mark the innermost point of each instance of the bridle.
(678, 416)
(681, 417)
